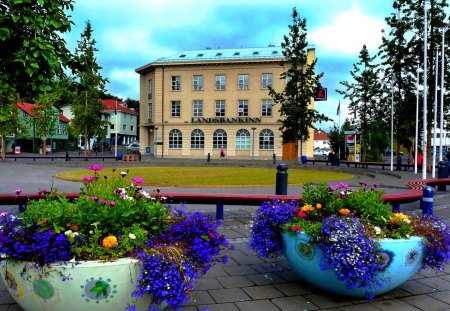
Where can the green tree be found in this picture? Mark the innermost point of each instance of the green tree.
(301, 82)
(337, 138)
(32, 53)
(45, 117)
(87, 107)
(364, 94)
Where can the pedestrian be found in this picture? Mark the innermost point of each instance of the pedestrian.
(222, 153)
(448, 154)
(347, 153)
(13, 148)
(419, 159)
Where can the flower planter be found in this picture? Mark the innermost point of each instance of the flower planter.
(89, 285)
(402, 257)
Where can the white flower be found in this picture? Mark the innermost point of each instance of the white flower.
(406, 220)
(68, 232)
(132, 236)
(377, 230)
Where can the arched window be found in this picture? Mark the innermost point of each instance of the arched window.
(266, 140)
(242, 140)
(175, 139)
(219, 139)
(197, 139)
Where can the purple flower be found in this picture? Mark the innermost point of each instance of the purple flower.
(103, 201)
(18, 191)
(95, 167)
(112, 203)
(137, 180)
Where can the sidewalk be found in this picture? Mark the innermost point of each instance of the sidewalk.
(248, 283)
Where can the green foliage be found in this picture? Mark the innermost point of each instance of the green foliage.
(301, 83)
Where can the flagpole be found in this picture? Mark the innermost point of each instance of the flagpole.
(339, 129)
(115, 138)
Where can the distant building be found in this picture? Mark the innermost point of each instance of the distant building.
(194, 103)
(321, 139)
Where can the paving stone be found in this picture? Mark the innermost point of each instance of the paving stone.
(235, 281)
(294, 289)
(294, 303)
(290, 276)
(200, 297)
(228, 295)
(15, 308)
(206, 284)
(360, 307)
(188, 308)
(260, 305)
(443, 296)
(231, 234)
(5, 298)
(263, 292)
(325, 300)
(244, 259)
(394, 305)
(436, 282)
(220, 307)
(216, 270)
(426, 302)
(265, 278)
(240, 270)
(416, 288)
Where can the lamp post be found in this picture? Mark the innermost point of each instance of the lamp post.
(156, 141)
(425, 45)
(253, 142)
(441, 112)
(391, 75)
(417, 119)
(433, 161)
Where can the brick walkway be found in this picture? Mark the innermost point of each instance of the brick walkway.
(248, 283)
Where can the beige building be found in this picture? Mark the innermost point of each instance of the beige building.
(195, 103)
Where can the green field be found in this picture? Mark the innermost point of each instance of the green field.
(213, 176)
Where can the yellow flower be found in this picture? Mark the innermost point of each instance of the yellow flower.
(398, 217)
(307, 208)
(318, 206)
(109, 241)
(344, 211)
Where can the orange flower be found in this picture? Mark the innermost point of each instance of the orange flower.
(109, 241)
(68, 224)
(318, 206)
(344, 211)
(75, 227)
(307, 208)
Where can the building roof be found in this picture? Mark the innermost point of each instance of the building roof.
(28, 109)
(110, 105)
(321, 135)
(218, 55)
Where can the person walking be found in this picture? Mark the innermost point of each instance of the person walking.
(222, 153)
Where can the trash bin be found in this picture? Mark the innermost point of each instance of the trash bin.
(304, 159)
(120, 156)
(148, 150)
(442, 173)
(399, 163)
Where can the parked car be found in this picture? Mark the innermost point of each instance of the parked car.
(133, 147)
(101, 147)
(321, 151)
(387, 152)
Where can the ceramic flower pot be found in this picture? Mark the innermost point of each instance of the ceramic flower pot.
(402, 258)
(89, 285)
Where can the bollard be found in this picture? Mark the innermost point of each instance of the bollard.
(274, 159)
(399, 163)
(67, 156)
(208, 159)
(281, 179)
(442, 173)
(426, 203)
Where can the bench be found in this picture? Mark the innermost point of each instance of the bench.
(130, 157)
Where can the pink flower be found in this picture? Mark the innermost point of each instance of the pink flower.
(297, 228)
(95, 167)
(137, 180)
(112, 203)
(103, 201)
(3, 214)
(18, 191)
(88, 179)
(211, 235)
(94, 198)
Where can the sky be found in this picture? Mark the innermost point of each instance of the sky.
(133, 33)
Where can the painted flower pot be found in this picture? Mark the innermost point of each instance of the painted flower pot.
(88, 285)
(402, 258)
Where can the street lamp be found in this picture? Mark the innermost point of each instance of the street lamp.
(441, 112)
(156, 141)
(392, 119)
(424, 135)
(253, 142)
(433, 161)
(417, 119)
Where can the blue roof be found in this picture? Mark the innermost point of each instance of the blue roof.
(224, 54)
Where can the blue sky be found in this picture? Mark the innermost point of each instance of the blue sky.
(132, 33)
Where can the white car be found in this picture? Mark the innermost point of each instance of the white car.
(133, 147)
(321, 151)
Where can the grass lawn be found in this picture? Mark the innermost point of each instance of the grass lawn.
(212, 176)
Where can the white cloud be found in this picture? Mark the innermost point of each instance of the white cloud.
(348, 32)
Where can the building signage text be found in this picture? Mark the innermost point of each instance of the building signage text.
(226, 120)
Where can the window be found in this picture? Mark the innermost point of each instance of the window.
(243, 82)
(176, 108)
(60, 129)
(219, 139)
(112, 126)
(266, 80)
(220, 108)
(197, 139)
(243, 140)
(266, 140)
(150, 113)
(197, 108)
(176, 83)
(132, 128)
(220, 82)
(175, 139)
(243, 108)
(197, 83)
(124, 127)
(150, 89)
(266, 107)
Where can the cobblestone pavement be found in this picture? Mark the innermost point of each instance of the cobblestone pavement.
(248, 283)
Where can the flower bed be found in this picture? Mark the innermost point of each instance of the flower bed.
(346, 226)
(114, 218)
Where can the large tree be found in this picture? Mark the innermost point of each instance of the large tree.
(32, 53)
(87, 106)
(301, 83)
(364, 93)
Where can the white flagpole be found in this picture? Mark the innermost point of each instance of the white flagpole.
(117, 130)
(417, 119)
(441, 112)
(436, 73)
(425, 94)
